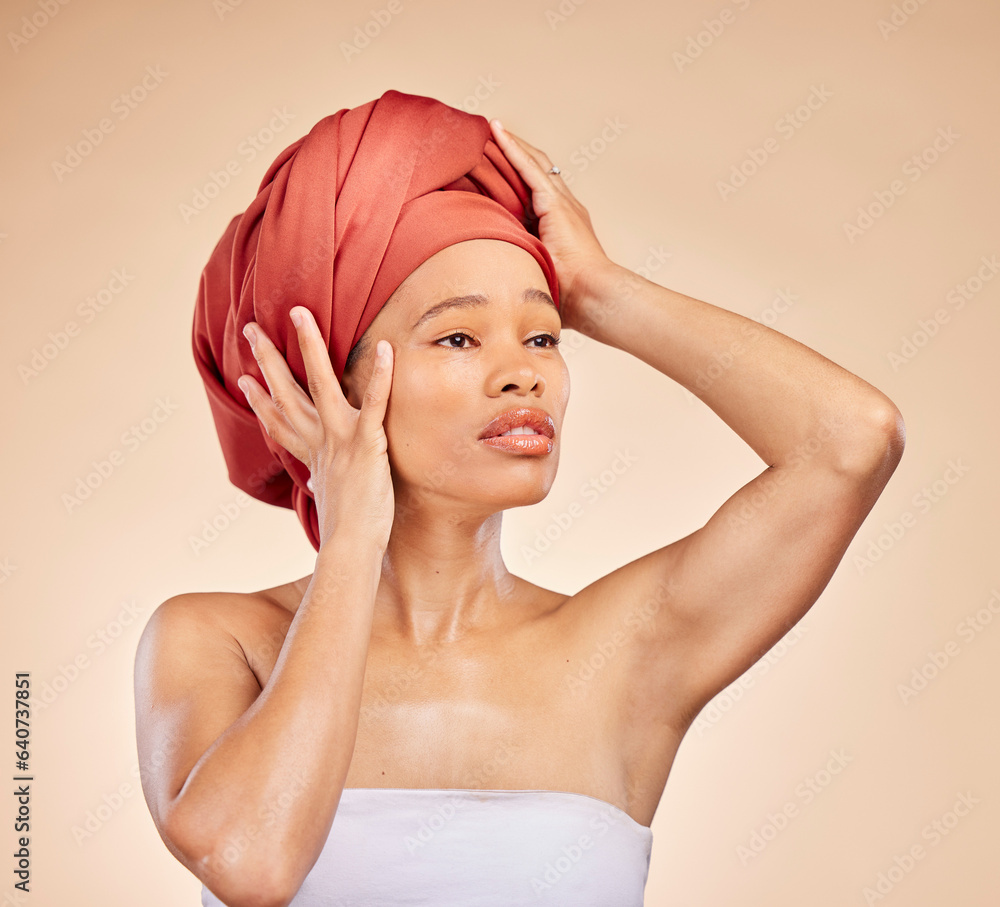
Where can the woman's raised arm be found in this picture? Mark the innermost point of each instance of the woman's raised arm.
(777, 394)
(830, 440)
(726, 593)
(243, 782)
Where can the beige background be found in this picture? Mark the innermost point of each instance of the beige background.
(70, 575)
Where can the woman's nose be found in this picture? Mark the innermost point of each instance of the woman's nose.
(530, 380)
(519, 372)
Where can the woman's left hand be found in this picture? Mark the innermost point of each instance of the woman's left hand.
(563, 224)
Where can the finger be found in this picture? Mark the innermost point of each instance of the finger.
(287, 413)
(324, 388)
(525, 151)
(515, 151)
(536, 154)
(376, 398)
(544, 185)
(281, 383)
(273, 422)
(512, 137)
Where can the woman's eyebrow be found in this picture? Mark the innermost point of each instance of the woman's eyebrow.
(475, 300)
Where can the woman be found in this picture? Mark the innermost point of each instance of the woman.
(405, 725)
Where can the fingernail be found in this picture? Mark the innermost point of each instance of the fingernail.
(499, 125)
(244, 386)
(250, 334)
(381, 351)
(296, 318)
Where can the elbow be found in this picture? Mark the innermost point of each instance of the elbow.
(245, 897)
(245, 882)
(889, 437)
(244, 885)
(248, 898)
(230, 867)
(871, 443)
(880, 441)
(897, 433)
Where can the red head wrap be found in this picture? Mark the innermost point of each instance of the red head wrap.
(341, 218)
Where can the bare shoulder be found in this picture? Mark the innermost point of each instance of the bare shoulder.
(606, 643)
(630, 603)
(250, 624)
(612, 629)
(202, 660)
(631, 632)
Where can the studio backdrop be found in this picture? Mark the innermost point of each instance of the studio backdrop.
(828, 170)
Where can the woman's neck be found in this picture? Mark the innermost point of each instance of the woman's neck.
(442, 578)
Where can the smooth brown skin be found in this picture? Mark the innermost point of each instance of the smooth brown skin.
(413, 658)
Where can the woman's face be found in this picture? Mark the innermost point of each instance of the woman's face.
(446, 387)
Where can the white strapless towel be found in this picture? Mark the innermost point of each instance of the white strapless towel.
(472, 848)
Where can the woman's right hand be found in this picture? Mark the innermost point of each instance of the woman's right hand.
(346, 449)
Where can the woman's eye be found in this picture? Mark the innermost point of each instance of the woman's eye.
(551, 343)
(450, 336)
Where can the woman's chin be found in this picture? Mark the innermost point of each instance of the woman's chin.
(519, 493)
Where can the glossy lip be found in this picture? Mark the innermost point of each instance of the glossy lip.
(537, 419)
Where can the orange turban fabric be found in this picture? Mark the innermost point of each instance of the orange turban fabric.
(341, 218)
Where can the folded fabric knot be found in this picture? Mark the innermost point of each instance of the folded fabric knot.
(341, 218)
